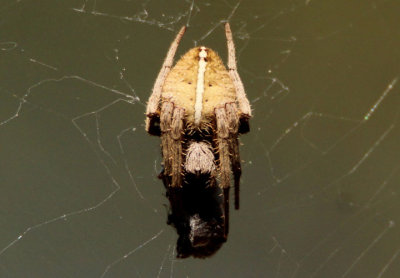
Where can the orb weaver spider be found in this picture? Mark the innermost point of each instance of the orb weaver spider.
(199, 108)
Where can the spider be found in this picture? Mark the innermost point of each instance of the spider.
(199, 108)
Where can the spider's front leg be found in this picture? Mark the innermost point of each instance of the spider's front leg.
(233, 124)
(228, 151)
(228, 126)
(171, 124)
(222, 139)
(228, 146)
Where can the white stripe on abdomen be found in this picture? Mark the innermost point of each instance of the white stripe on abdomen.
(198, 106)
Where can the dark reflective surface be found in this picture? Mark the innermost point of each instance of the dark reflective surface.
(79, 194)
(200, 214)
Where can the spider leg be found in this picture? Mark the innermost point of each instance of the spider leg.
(154, 100)
(167, 109)
(243, 102)
(236, 168)
(233, 122)
(226, 211)
(222, 139)
(176, 147)
(171, 124)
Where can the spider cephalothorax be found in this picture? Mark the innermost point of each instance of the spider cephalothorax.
(199, 107)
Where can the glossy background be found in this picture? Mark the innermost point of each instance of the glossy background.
(79, 194)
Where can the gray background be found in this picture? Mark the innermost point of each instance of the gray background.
(79, 194)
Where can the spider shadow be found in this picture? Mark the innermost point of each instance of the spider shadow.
(199, 213)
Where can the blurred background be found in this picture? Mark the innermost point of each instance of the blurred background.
(79, 193)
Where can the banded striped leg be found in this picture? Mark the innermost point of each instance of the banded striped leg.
(171, 124)
(224, 161)
(243, 102)
(176, 148)
(222, 138)
(167, 109)
(233, 123)
(152, 112)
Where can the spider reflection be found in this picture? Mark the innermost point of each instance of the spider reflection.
(200, 215)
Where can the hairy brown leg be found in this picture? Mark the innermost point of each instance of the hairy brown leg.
(176, 147)
(222, 138)
(166, 139)
(233, 122)
(243, 102)
(154, 100)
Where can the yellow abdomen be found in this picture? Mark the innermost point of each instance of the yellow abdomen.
(199, 75)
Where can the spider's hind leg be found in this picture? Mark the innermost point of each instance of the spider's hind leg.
(152, 110)
(243, 102)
